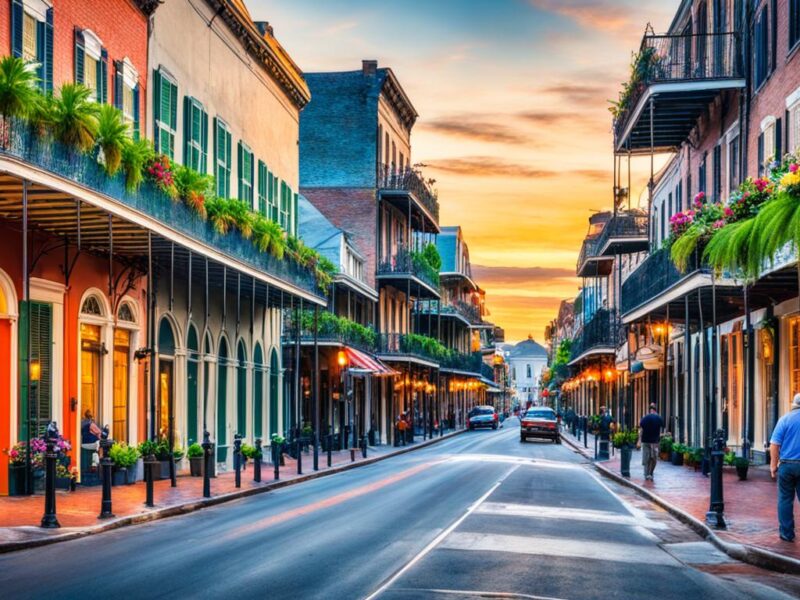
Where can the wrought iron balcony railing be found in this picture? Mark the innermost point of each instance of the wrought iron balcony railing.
(654, 276)
(337, 330)
(468, 363)
(680, 58)
(468, 312)
(409, 262)
(601, 331)
(20, 141)
(409, 180)
(623, 225)
(416, 345)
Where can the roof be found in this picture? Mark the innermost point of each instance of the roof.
(528, 348)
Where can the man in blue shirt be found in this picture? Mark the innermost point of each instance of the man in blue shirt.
(784, 459)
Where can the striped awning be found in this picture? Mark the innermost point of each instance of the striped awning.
(364, 362)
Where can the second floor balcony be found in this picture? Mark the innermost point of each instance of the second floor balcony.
(468, 314)
(600, 335)
(331, 330)
(408, 191)
(408, 270)
(591, 263)
(625, 233)
(673, 80)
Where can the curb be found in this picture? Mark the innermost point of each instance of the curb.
(189, 507)
(746, 553)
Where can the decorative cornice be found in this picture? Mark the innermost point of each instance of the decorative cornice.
(397, 98)
(280, 68)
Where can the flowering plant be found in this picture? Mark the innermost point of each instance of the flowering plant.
(17, 454)
(790, 181)
(746, 201)
(681, 221)
(159, 171)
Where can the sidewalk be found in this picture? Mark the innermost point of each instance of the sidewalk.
(750, 506)
(78, 511)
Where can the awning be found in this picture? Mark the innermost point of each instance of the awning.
(364, 362)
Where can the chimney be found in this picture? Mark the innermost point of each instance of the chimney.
(264, 28)
(369, 67)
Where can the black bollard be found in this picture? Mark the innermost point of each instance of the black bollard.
(276, 459)
(715, 515)
(49, 519)
(315, 441)
(237, 459)
(364, 447)
(595, 447)
(299, 457)
(352, 454)
(330, 449)
(257, 462)
(585, 432)
(105, 468)
(208, 464)
(150, 464)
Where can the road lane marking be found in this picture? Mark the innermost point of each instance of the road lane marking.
(566, 513)
(438, 539)
(477, 593)
(520, 460)
(306, 509)
(557, 547)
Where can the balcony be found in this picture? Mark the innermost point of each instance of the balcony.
(331, 331)
(681, 75)
(590, 262)
(466, 364)
(468, 314)
(598, 336)
(408, 270)
(410, 192)
(402, 347)
(70, 192)
(625, 233)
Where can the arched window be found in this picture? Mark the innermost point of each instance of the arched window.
(91, 306)
(125, 313)
(241, 389)
(192, 372)
(258, 391)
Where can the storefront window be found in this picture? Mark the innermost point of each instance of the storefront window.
(794, 356)
(90, 370)
(122, 349)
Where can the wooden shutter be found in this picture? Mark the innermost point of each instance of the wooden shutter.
(136, 101)
(102, 76)
(156, 105)
(240, 167)
(16, 28)
(773, 55)
(204, 141)
(187, 131)
(778, 139)
(294, 215)
(118, 84)
(37, 317)
(79, 56)
(48, 51)
(41, 49)
(760, 154)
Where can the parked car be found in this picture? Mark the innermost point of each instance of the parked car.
(539, 422)
(483, 416)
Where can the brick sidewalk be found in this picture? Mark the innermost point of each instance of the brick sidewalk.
(750, 506)
(78, 511)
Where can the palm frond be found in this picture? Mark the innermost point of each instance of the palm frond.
(729, 249)
(18, 87)
(112, 135)
(135, 155)
(75, 117)
(773, 226)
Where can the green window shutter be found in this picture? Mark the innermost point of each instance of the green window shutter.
(48, 51)
(240, 166)
(262, 188)
(156, 107)
(294, 214)
(203, 142)
(79, 55)
(40, 51)
(187, 131)
(16, 28)
(38, 317)
(118, 83)
(136, 93)
(102, 76)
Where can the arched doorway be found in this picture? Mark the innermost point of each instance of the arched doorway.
(125, 338)
(192, 372)
(222, 401)
(241, 389)
(274, 386)
(165, 415)
(258, 392)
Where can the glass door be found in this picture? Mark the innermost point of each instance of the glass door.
(91, 359)
(166, 409)
(122, 353)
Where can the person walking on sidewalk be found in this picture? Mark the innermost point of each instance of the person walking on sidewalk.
(784, 461)
(649, 435)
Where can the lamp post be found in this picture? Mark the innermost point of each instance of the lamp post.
(49, 519)
(341, 359)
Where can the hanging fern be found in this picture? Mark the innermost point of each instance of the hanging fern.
(683, 248)
(776, 225)
(730, 249)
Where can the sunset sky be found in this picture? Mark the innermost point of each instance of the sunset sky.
(514, 122)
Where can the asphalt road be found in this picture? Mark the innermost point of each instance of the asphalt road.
(474, 514)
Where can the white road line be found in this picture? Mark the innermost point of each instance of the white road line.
(438, 539)
(479, 593)
(558, 547)
(567, 513)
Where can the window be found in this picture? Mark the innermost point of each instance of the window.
(701, 175)
(91, 63)
(165, 112)
(32, 37)
(245, 174)
(717, 173)
(794, 23)
(195, 135)
(794, 356)
(222, 158)
(766, 145)
(733, 164)
(263, 188)
(285, 206)
(793, 121)
(528, 371)
(761, 49)
(126, 94)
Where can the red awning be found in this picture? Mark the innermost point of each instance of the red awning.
(361, 360)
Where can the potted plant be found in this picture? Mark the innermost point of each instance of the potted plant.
(665, 447)
(124, 458)
(688, 456)
(195, 454)
(677, 454)
(729, 459)
(277, 442)
(625, 441)
(16, 469)
(697, 457)
(63, 477)
(741, 463)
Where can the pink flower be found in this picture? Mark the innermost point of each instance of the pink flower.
(728, 212)
(719, 224)
(793, 168)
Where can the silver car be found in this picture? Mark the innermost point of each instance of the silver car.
(483, 416)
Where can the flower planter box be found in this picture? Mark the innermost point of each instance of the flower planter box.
(62, 483)
(16, 480)
(196, 466)
(741, 471)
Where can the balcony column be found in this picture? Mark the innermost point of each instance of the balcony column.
(151, 335)
(315, 400)
(298, 417)
(687, 340)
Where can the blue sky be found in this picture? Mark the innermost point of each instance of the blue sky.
(514, 122)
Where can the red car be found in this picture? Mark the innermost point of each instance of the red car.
(539, 422)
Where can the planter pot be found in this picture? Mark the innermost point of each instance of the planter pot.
(163, 473)
(625, 454)
(664, 455)
(677, 459)
(63, 483)
(119, 476)
(742, 472)
(196, 466)
(16, 480)
(138, 469)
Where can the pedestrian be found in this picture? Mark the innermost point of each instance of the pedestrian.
(649, 435)
(401, 429)
(784, 463)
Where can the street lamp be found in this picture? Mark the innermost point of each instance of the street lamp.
(34, 375)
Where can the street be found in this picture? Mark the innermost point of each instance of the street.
(477, 513)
